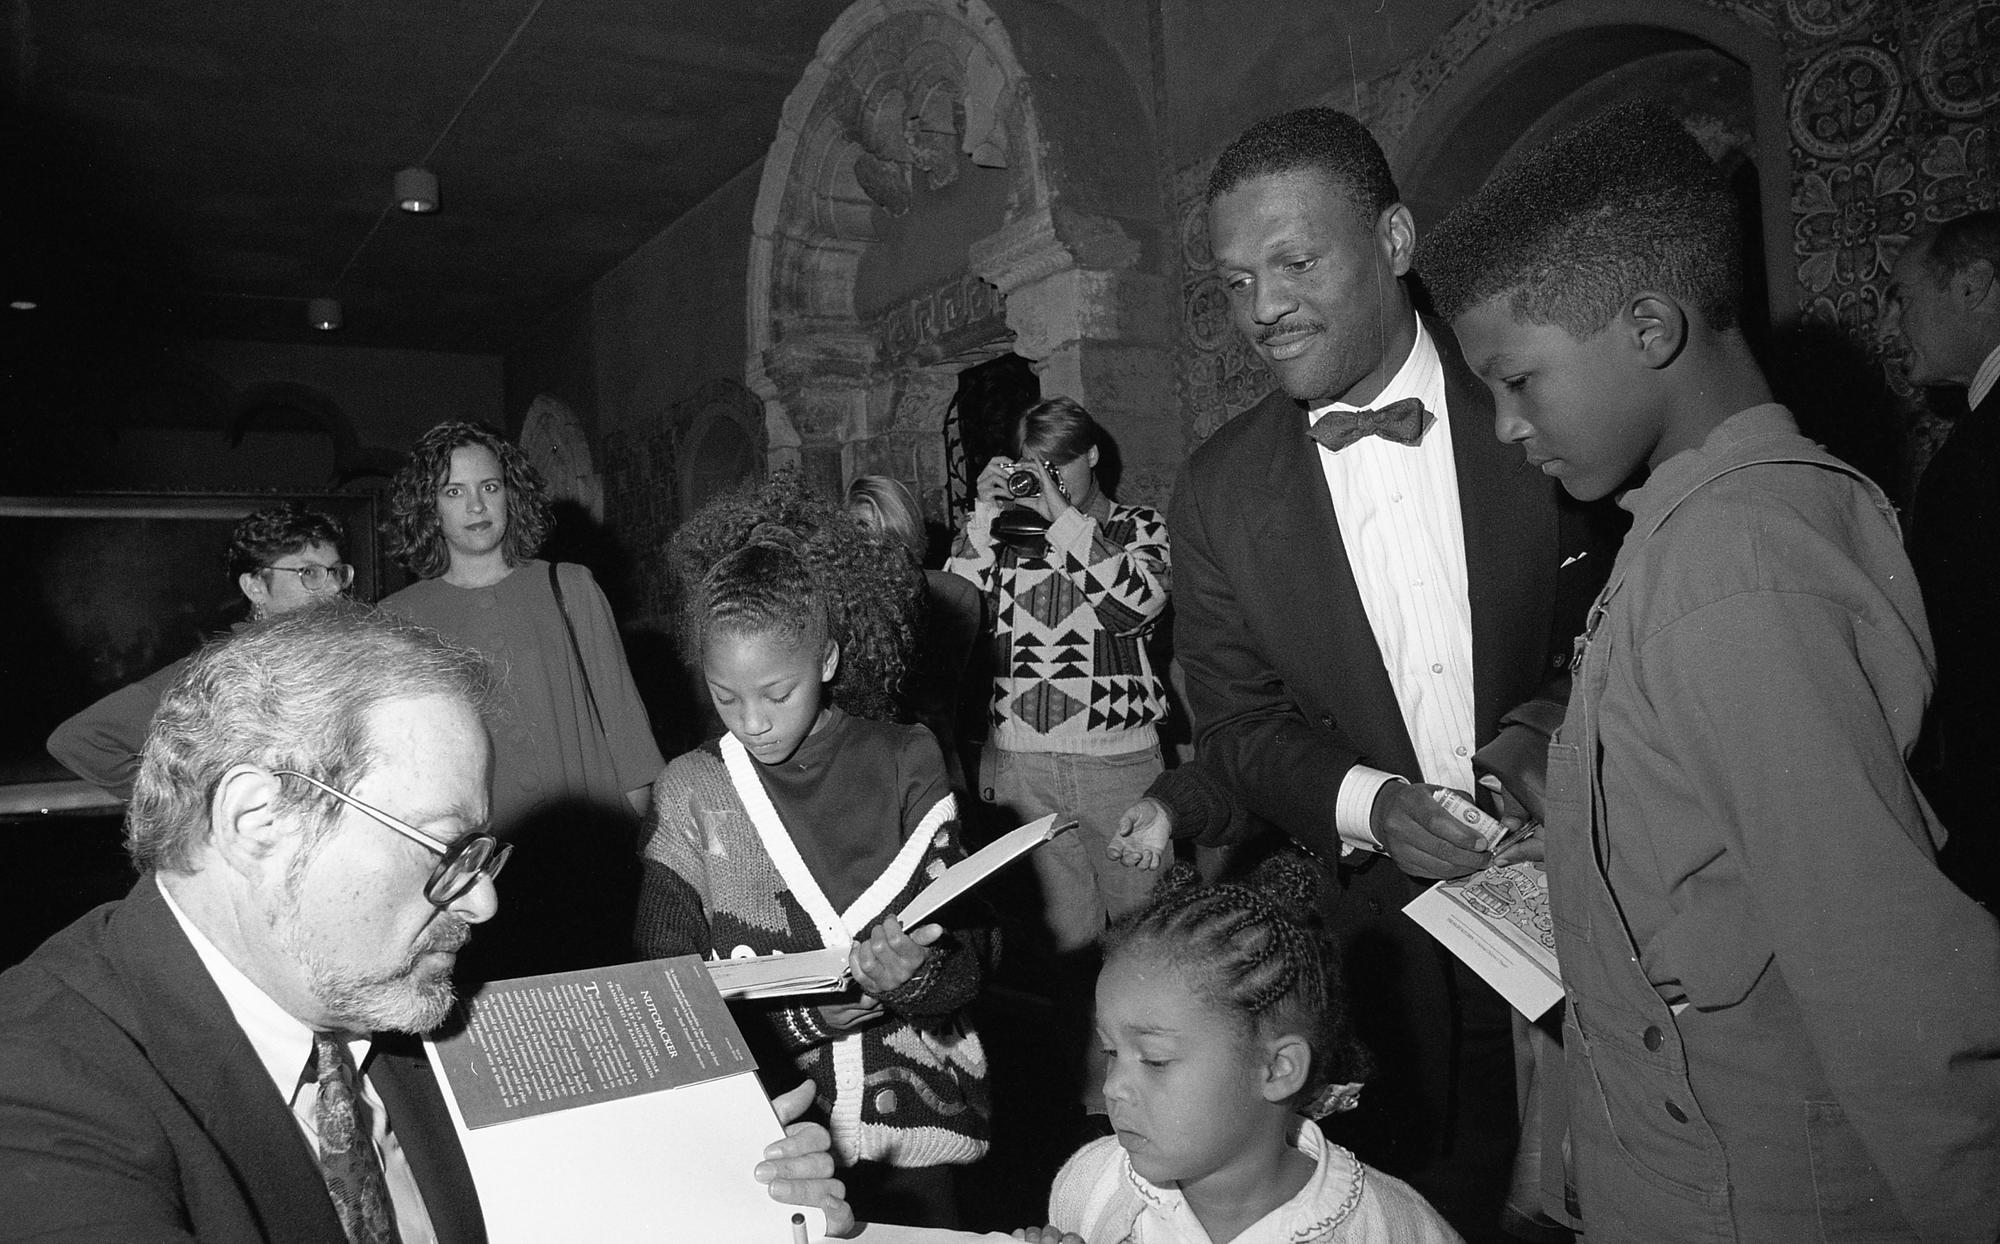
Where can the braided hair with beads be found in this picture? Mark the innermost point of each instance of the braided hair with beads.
(1253, 950)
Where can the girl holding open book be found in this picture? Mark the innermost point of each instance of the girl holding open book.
(809, 821)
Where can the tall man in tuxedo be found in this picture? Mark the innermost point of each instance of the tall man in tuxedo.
(228, 1053)
(1358, 611)
(1944, 302)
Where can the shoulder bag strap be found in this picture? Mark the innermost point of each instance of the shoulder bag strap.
(583, 670)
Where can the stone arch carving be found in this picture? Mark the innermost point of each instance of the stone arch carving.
(1439, 124)
(555, 440)
(901, 97)
(719, 434)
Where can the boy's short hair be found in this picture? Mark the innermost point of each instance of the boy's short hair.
(1627, 201)
(1326, 140)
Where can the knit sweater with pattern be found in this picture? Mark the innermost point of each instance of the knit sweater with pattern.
(745, 859)
(1069, 627)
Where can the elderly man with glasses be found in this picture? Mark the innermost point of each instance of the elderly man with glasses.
(283, 557)
(230, 1052)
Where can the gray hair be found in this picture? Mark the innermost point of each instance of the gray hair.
(291, 692)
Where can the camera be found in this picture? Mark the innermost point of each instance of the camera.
(1022, 482)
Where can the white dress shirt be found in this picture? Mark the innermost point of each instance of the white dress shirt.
(1984, 379)
(1399, 517)
(284, 1046)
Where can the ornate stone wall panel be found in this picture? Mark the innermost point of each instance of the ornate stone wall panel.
(899, 90)
(1958, 64)
(1889, 114)
(1871, 175)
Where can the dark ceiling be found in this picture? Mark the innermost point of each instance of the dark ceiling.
(212, 164)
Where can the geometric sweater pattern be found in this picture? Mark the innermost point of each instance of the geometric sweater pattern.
(908, 1090)
(1070, 622)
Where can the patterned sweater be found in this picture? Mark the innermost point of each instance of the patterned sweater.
(723, 876)
(1069, 628)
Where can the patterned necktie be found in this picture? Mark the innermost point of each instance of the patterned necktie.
(347, 1159)
(1403, 422)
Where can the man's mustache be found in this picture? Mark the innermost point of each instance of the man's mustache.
(1289, 328)
(450, 934)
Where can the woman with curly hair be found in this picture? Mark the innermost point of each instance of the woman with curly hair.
(941, 661)
(810, 821)
(573, 750)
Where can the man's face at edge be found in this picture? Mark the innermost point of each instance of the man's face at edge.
(1314, 283)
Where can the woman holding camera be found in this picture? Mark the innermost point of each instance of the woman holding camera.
(1075, 581)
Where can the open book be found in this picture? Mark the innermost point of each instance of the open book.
(825, 970)
(576, 1095)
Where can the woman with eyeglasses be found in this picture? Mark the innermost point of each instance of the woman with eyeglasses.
(283, 558)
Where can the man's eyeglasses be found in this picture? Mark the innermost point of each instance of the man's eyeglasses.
(319, 578)
(463, 862)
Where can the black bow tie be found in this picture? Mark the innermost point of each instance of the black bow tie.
(1403, 422)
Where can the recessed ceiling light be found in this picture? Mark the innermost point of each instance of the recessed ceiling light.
(417, 190)
(24, 304)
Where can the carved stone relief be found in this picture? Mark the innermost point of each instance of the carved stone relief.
(904, 97)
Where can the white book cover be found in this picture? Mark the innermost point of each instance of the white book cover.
(614, 1104)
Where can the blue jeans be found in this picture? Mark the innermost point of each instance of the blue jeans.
(1082, 889)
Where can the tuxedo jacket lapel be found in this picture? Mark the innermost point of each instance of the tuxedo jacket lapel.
(1510, 530)
(1320, 605)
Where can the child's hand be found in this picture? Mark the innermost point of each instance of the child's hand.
(1046, 1235)
(1145, 832)
(1522, 843)
(890, 956)
(842, 1016)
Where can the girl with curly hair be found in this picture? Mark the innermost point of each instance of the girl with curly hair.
(573, 750)
(1221, 1012)
(810, 820)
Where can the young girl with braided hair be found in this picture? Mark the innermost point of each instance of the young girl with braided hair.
(1222, 1014)
(810, 820)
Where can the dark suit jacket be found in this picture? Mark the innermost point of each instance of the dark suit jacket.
(132, 1108)
(1954, 546)
(1286, 682)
